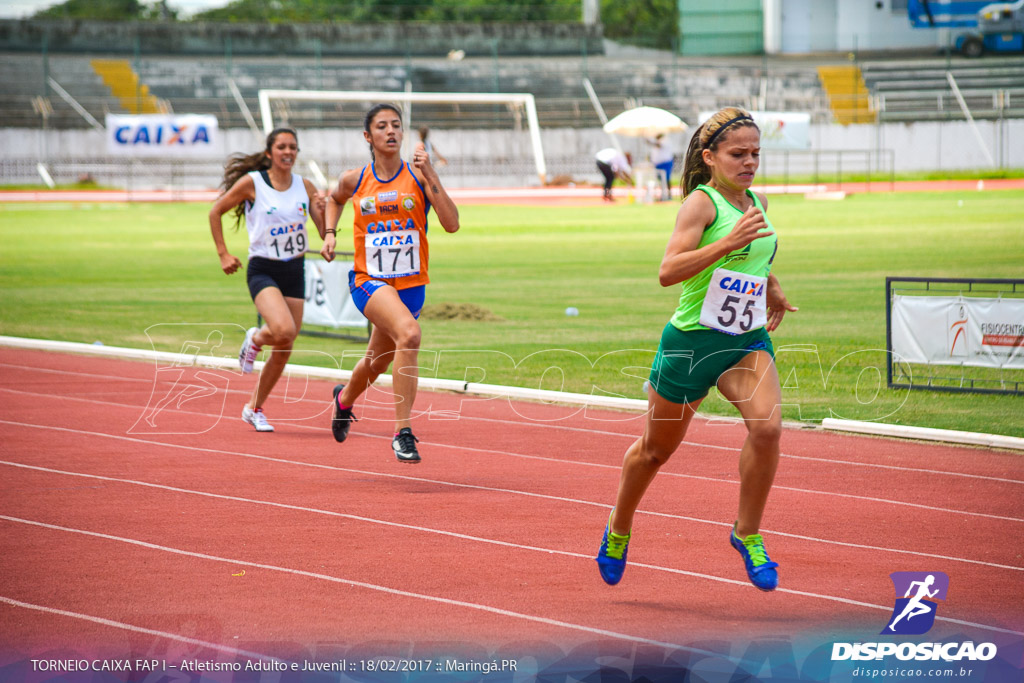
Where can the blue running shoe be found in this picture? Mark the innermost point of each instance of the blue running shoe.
(760, 568)
(611, 557)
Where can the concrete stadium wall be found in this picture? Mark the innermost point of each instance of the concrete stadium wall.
(350, 40)
(484, 158)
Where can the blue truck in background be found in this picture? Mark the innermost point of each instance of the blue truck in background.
(997, 26)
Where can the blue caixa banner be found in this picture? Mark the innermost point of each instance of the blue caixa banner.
(162, 135)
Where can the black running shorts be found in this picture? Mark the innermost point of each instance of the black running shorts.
(288, 276)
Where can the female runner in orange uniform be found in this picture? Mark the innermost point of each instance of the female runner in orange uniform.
(391, 200)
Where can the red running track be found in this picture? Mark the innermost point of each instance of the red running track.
(183, 531)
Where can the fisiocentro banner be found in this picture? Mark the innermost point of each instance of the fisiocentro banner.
(952, 330)
(779, 129)
(162, 135)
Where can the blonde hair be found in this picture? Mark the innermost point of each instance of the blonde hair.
(708, 136)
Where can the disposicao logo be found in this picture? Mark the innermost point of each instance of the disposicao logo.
(914, 612)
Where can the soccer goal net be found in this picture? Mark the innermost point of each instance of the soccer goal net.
(479, 139)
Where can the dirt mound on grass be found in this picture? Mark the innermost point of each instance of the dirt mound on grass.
(453, 311)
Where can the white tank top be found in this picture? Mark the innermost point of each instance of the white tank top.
(276, 221)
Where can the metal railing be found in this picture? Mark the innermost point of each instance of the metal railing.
(860, 170)
(989, 104)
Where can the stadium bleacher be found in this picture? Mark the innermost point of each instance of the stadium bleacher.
(901, 90)
(919, 90)
(202, 86)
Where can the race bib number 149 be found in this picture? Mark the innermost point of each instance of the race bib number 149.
(735, 302)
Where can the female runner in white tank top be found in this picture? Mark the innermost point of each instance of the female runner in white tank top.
(276, 203)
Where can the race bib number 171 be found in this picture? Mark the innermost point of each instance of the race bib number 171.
(735, 302)
(393, 254)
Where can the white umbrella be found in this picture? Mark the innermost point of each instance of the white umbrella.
(645, 122)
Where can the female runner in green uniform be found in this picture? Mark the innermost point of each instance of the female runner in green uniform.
(721, 251)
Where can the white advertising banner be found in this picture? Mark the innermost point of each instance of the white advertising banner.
(162, 135)
(779, 129)
(952, 330)
(328, 302)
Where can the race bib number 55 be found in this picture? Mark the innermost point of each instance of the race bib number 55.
(735, 302)
(393, 254)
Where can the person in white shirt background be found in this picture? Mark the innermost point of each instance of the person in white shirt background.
(613, 164)
(663, 158)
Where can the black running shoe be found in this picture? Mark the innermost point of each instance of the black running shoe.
(404, 444)
(341, 420)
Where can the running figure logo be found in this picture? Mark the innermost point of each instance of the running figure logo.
(957, 318)
(914, 612)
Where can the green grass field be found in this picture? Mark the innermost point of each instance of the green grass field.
(111, 272)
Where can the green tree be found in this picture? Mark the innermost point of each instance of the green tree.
(650, 23)
(286, 11)
(109, 10)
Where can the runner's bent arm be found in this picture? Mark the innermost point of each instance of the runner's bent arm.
(243, 190)
(336, 201)
(775, 298)
(445, 208)
(683, 259)
(776, 303)
(316, 206)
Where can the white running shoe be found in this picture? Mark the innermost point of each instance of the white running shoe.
(257, 419)
(247, 354)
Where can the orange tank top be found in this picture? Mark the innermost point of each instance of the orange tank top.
(390, 229)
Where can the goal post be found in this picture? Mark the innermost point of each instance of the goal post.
(525, 100)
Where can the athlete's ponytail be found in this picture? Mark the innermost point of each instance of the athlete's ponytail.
(708, 136)
(240, 164)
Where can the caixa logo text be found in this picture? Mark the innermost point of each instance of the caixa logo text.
(162, 134)
(947, 652)
(156, 135)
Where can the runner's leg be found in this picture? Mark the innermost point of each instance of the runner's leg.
(282, 319)
(752, 385)
(664, 430)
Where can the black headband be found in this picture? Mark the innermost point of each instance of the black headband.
(725, 125)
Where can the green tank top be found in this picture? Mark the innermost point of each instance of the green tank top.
(754, 259)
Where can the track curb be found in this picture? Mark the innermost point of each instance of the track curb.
(591, 400)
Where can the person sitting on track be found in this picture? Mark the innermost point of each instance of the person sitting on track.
(276, 203)
(391, 200)
(721, 250)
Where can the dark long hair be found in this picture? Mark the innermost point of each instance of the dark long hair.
(710, 134)
(374, 110)
(240, 164)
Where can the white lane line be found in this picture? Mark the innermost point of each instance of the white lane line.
(134, 629)
(681, 475)
(532, 424)
(511, 491)
(734, 482)
(371, 586)
(472, 605)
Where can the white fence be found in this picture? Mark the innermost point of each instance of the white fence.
(481, 158)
